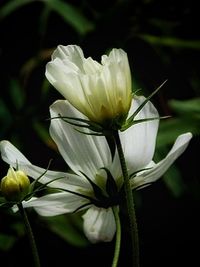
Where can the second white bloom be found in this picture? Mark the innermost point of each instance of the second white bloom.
(86, 155)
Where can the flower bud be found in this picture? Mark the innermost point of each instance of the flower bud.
(15, 185)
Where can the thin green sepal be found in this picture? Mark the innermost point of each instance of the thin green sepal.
(145, 101)
(129, 124)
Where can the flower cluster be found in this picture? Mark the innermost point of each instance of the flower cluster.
(100, 93)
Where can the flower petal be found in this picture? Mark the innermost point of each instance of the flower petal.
(139, 140)
(11, 155)
(63, 73)
(72, 52)
(81, 152)
(56, 204)
(117, 75)
(99, 224)
(160, 168)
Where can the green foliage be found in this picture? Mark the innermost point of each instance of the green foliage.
(187, 119)
(69, 228)
(172, 178)
(71, 15)
(68, 12)
(172, 42)
(17, 95)
(11, 6)
(4, 113)
(174, 182)
(189, 107)
(6, 242)
(12, 230)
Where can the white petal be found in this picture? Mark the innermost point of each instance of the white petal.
(139, 140)
(56, 204)
(81, 152)
(64, 79)
(116, 77)
(91, 66)
(99, 224)
(73, 52)
(11, 155)
(116, 55)
(62, 72)
(160, 168)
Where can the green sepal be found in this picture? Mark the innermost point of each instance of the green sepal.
(33, 184)
(41, 187)
(4, 203)
(94, 134)
(129, 124)
(131, 120)
(132, 175)
(7, 204)
(97, 190)
(82, 206)
(143, 186)
(93, 126)
(111, 186)
(146, 100)
(75, 193)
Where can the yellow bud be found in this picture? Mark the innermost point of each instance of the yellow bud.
(15, 185)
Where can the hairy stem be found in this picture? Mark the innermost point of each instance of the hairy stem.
(129, 203)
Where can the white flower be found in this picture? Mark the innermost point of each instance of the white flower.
(86, 155)
(102, 92)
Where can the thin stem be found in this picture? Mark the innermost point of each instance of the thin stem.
(129, 203)
(117, 238)
(30, 235)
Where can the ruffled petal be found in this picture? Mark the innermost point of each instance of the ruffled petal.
(139, 140)
(11, 155)
(160, 168)
(81, 152)
(99, 224)
(56, 204)
(71, 52)
(62, 72)
(64, 78)
(117, 75)
(91, 66)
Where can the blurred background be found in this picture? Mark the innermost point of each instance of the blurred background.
(162, 40)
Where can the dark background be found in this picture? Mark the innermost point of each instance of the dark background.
(162, 41)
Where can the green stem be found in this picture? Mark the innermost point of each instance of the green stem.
(118, 237)
(129, 203)
(30, 235)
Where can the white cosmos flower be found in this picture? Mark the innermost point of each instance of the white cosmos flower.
(86, 155)
(101, 91)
